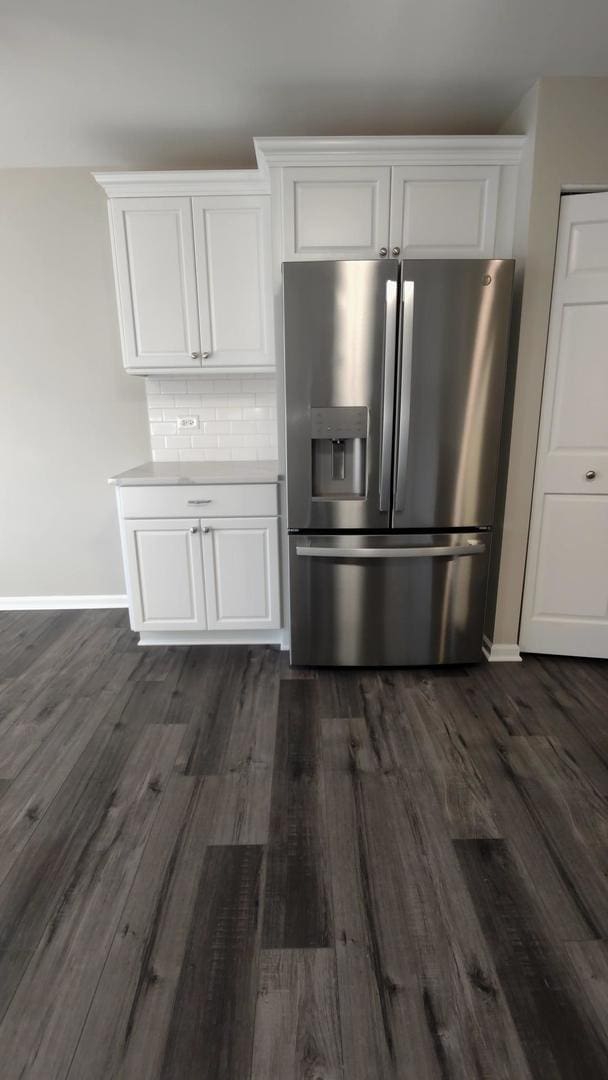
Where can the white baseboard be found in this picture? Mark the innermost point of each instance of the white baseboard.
(62, 603)
(500, 654)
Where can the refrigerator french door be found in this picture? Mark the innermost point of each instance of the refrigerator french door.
(394, 393)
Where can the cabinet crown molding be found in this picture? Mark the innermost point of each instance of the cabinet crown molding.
(186, 182)
(390, 150)
(324, 150)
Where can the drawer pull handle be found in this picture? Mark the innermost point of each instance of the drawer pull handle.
(471, 547)
(199, 502)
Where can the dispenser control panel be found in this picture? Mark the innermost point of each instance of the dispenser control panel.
(339, 422)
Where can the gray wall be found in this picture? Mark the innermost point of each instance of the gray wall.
(69, 416)
(571, 151)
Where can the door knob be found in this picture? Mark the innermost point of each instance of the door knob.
(590, 474)
(383, 252)
(396, 251)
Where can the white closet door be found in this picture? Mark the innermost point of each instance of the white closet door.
(156, 282)
(335, 213)
(165, 574)
(232, 238)
(565, 606)
(241, 558)
(444, 211)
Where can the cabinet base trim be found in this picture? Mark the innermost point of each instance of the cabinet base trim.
(220, 370)
(497, 654)
(62, 603)
(214, 637)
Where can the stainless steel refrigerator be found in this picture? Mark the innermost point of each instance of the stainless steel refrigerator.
(394, 390)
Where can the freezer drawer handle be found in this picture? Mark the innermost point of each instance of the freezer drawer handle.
(472, 547)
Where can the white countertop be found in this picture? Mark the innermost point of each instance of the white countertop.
(154, 473)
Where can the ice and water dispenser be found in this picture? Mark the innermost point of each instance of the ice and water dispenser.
(339, 440)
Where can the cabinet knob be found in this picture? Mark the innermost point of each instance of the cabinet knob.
(590, 474)
(195, 355)
(205, 355)
(383, 251)
(205, 529)
(396, 251)
(193, 529)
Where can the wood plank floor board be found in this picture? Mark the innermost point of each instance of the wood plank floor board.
(551, 703)
(35, 881)
(30, 794)
(125, 1029)
(303, 889)
(589, 962)
(563, 904)
(415, 978)
(127, 1026)
(557, 1036)
(296, 902)
(233, 722)
(544, 763)
(465, 797)
(297, 1031)
(212, 1025)
(29, 642)
(40, 1029)
(552, 805)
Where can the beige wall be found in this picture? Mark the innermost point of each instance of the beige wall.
(69, 417)
(571, 151)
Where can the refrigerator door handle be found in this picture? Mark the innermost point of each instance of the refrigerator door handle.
(388, 393)
(472, 547)
(405, 386)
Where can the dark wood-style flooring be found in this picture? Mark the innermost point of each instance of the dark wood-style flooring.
(214, 867)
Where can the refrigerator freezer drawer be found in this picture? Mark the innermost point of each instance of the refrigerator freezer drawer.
(388, 600)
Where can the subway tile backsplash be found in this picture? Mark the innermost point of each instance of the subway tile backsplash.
(237, 418)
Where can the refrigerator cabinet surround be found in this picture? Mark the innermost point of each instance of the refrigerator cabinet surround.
(389, 599)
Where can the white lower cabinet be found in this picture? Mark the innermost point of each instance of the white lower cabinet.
(240, 557)
(203, 574)
(165, 574)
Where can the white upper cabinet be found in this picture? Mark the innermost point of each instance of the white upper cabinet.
(335, 213)
(193, 271)
(370, 212)
(444, 211)
(233, 271)
(156, 282)
(418, 197)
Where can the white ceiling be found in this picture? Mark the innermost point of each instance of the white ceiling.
(172, 83)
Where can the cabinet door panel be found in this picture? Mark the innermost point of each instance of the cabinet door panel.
(165, 574)
(232, 238)
(156, 282)
(444, 211)
(242, 573)
(335, 213)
